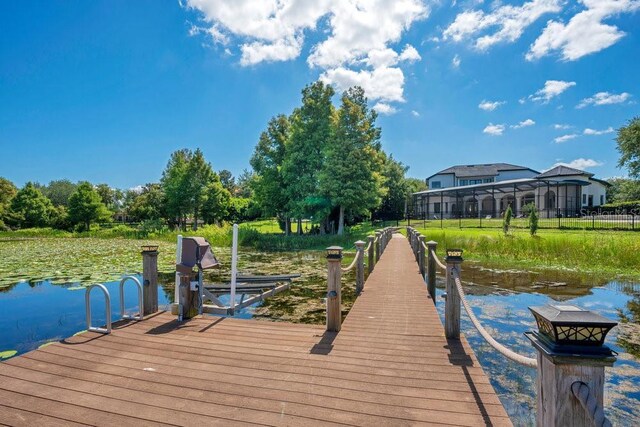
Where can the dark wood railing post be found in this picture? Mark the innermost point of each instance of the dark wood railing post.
(150, 279)
(421, 254)
(378, 238)
(334, 297)
(452, 302)
(360, 266)
(372, 260)
(431, 269)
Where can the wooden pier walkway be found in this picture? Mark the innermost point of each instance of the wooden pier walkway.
(389, 365)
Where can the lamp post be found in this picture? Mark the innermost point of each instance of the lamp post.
(570, 346)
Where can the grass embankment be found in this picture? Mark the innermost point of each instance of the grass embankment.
(614, 253)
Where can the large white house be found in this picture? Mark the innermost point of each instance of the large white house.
(472, 191)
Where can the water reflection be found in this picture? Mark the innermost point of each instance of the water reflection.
(500, 299)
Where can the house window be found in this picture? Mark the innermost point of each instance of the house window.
(601, 199)
(436, 184)
(584, 199)
(436, 208)
(475, 181)
(446, 207)
(487, 180)
(463, 182)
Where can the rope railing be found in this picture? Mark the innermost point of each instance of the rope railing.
(526, 361)
(353, 263)
(437, 260)
(590, 404)
(368, 247)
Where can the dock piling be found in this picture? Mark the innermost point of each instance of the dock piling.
(334, 297)
(150, 279)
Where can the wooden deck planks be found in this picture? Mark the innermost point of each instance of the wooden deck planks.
(389, 365)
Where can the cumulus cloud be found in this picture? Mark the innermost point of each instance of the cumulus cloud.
(523, 124)
(565, 138)
(495, 130)
(384, 108)
(580, 163)
(414, 113)
(604, 98)
(585, 33)
(455, 62)
(589, 131)
(551, 89)
(503, 24)
(355, 37)
(489, 105)
(561, 126)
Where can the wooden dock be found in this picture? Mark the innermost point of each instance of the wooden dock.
(389, 365)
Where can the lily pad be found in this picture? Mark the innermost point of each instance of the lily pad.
(7, 354)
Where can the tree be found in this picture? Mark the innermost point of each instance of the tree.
(533, 219)
(30, 208)
(199, 175)
(506, 221)
(414, 185)
(628, 140)
(7, 192)
(59, 191)
(351, 174)
(227, 180)
(623, 190)
(149, 204)
(269, 185)
(394, 202)
(311, 130)
(217, 203)
(176, 186)
(85, 206)
(108, 195)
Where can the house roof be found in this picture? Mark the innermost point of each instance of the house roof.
(488, 169)
(520, 184)
(563, 171)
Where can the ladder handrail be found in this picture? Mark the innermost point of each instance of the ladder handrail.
(107, 302)
(140, 314)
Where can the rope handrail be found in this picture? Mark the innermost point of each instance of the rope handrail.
(526, 361)
(438, 262)
(368, 247)
(589, 402)
(353, 263)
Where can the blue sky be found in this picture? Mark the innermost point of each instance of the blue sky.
(106, 90)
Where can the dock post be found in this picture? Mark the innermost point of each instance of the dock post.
(571, 360)
(334, 297)
(149, 279)
(431, 269)
(371, 262)
(378, 238)
(421, 255)
(452, 302)
(359, 266)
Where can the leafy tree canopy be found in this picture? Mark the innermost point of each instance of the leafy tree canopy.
(628, 140)
(85, 206)
(30, 208)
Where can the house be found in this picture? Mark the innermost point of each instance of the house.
(486, 190)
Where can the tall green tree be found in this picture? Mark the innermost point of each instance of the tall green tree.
(175, 184)
(59, 191)
(149, 204)
(351, 174)
(199, 176)
(311, 131)
(217, 203)
(30, 208)
(623, 190)
(270, 186)
(228, 181)
(85, 206)
(628, 140)
(108, 195)
(7, 192)
(394, 202)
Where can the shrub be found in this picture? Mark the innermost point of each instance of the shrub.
(533, 221)
(506, 222)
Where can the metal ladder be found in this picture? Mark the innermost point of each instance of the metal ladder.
(107, 302)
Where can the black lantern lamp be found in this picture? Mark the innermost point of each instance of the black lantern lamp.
(334, 252)
(567, 330)
(454, 255)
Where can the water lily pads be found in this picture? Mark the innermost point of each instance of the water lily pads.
(7, 354)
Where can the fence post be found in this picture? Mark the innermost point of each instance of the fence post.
(359, 266)
(378, 238)
(334, 297)
(417, 252)
(421, 255)
(149, 279)
(452, 302)
(570, 366)
(371, 261)
(431, 269)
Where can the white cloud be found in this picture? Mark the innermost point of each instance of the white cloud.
(355, 37)
(604, 98)
(589, 131)
(565, 138)
(561, 126)
(490, 106)
(384, 108)
(495, 130)
(455, 62)
(580, 163)
(503, 24)
(524, 123)
(414, 113)
(551, 89)
(585, 33)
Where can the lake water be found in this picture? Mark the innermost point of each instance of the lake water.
(39, 312)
